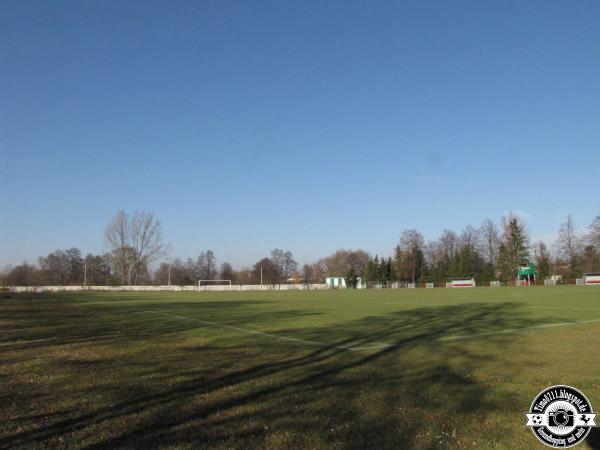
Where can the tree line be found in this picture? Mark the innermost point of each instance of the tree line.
(489, 252)
(137, 255)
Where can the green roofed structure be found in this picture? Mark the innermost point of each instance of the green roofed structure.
(526, 275)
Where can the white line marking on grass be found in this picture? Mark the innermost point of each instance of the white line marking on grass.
(420, 304)
(523, 305)
(513, 330)
(260, 333)
(565, 308)
(373, 346)
(468, 336)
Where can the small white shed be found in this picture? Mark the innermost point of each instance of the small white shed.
(340, 283)
(592, 279)
(461, 282)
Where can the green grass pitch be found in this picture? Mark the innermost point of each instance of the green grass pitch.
(407, 368)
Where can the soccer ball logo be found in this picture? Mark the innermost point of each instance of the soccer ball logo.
(560, 416)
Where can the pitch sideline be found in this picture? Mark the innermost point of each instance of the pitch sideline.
(367, 347)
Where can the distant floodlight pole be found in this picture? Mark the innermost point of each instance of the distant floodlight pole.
(84, 275)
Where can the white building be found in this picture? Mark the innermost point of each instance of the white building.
(461, 282)
(592, 279)
(340, 283)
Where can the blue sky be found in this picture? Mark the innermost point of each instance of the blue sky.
(307, 126)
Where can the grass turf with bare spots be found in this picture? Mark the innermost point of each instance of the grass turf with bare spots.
(409, 368)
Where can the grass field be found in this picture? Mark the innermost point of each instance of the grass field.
(408, 368)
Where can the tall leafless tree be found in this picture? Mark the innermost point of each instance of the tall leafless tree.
(277, 260)
(469, 237)
(307, 273)
(207, 266)
(227, 272)
(594, 232)
(116, 235)
(432, 254)
(569, 243)
(135, 242)
(411, 255)
(489, 241)
(469, 249)
(289, 265)
(448, 245)
(338, 263)
(146, 241)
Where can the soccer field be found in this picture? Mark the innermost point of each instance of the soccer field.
(405, 368)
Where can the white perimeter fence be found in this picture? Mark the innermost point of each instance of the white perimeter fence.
(221, 287)
(235, 287)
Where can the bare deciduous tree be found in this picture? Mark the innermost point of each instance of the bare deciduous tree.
(432, 253)
(469, 237)
(146, 241)
(338, 263)
(489, 241)
(135, 243)
(410, 259)
(307, 273)
(116, 235)
(569, 244)
(448, 244)
(227, 272)
(469, 250)
(284, 263)
(265, 272)
(277, 260)
(289, 266)
(207, 266)
(594, 234)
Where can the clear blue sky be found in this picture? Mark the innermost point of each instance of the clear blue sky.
(302, 125)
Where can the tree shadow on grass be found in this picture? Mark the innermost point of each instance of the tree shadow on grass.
(410, 390)
(50, 323)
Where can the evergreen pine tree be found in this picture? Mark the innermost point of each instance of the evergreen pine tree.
(514, 250)
(351, 278)
(388, 270)
(377, 267)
